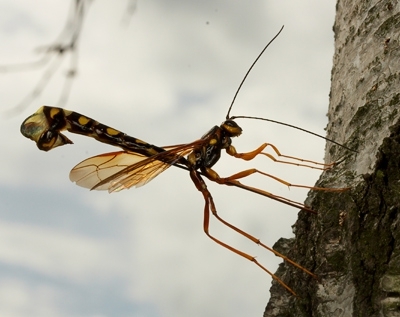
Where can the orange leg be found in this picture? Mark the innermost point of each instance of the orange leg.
(251, 171)
(209, 205)
(250, 155)
(233, 181)
(281, 199)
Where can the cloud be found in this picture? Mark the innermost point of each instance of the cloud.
(167, 78)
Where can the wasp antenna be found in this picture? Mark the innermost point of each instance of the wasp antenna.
(251, 67)
(294, 127)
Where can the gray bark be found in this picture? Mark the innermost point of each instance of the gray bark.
(353, 243)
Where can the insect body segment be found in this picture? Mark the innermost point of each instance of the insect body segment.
(217, 139)
(45, 126)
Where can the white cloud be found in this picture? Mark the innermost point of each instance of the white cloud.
(166, 78)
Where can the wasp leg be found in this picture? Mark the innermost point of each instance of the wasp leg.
(209, 205)
(251, 171)
(232, 181)
(250, 155)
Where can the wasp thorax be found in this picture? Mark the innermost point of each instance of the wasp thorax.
(231, 127)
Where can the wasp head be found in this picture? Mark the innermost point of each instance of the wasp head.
(231, 128)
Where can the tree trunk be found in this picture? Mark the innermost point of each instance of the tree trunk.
(353, 244)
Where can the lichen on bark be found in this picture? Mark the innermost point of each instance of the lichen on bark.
(353, 243)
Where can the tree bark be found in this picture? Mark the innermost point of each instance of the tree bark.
(353, 243)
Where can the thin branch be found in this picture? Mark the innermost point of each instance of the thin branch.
(66, 44)
(130, 10)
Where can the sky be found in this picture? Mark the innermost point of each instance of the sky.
(166, 77)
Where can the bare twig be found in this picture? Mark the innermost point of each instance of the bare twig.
(53, 55)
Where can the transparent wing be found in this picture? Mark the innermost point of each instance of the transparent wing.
(93, 170)
(122, 170)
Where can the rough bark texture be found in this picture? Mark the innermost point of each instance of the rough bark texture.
(353, 244)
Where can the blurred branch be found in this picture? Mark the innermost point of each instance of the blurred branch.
(130, 10)
(66, 45)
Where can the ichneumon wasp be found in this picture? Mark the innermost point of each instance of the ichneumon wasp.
(140, 162)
